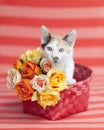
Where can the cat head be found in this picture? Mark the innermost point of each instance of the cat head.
(55, 47)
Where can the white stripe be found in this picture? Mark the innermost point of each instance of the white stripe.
(98, 78)
(96, 98)
(97, 92)
(16, 115)
(11, 92)
(95, 52)
(97, 84)
(11, 100)
(98, 88)
(85, 125)
(23, 121)
(89, 52)
(90, 110)
(93, 112)
(16, 50)
(62, 13)
(2, 79)
(34, 32)
(92, 98)
(94, 106)
(8, 93)
(19, 108)
(4, 68)
(96, 81)
(12, 108)
(98, 70)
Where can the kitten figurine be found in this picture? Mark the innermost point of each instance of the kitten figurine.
(60, 52)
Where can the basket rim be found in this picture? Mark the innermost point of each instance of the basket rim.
(84, 80)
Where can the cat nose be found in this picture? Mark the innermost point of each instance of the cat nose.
(55, 59)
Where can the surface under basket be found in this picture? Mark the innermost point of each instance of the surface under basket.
(73, 100)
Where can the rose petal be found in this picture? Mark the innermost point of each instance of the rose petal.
(34, 96)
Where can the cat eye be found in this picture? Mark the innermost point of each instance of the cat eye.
(61, 50)
(49, 48)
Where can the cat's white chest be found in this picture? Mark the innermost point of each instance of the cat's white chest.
(67, 66)
(60, 65)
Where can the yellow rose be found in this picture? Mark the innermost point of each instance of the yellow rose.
(57, 80)
(48, 98)
(34, 55)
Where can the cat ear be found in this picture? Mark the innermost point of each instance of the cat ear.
(71, 37)
(45, 36)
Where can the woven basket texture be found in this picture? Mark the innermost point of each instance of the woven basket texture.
(73, 100)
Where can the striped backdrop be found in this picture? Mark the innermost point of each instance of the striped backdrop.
(20, 22)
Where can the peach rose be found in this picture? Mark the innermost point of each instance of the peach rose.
(57, 80)
(28, 70)
(45, 64)
(24, 89)
(48, 98)
(13, 77)
(39, 82)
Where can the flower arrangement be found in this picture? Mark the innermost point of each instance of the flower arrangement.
(34, 78)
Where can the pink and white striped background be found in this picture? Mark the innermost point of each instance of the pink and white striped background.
(20, 22)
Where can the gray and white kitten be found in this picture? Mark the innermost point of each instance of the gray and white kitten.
(60, 51)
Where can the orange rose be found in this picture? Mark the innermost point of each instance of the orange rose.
(45, 64)
(24, 89)
(38, 70)
(28, 70)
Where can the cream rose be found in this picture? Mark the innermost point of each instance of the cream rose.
(39, 82)
(13, 77)
(23, 58)
(34, 55)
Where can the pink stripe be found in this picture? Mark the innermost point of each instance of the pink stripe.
(92, 99)
(97, 70)
(34, 32)
(85, 125)
(37, 12)
(88, 52)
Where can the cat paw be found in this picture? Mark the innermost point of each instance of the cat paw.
(71, 81)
